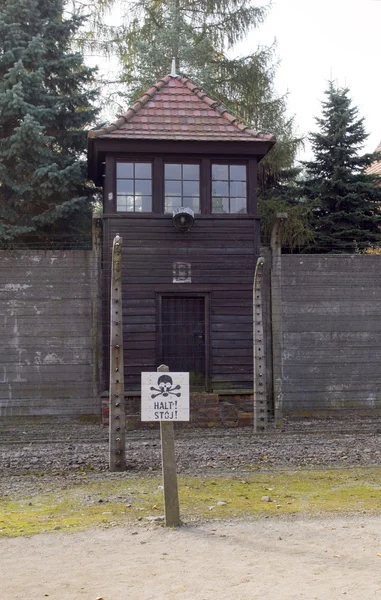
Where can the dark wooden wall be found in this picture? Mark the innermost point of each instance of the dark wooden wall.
(222, 252)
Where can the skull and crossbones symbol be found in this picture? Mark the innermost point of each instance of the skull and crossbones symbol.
(165, 387)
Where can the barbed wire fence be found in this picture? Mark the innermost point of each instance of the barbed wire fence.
(53, 329)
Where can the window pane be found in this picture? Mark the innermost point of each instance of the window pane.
(191, 172)
(173, 171)
(220, 172)
(146, 202)
(220, 205)
(125, 170)
(238, 189)
(134, 187)
(143, 203)
(143, 170)
(238, 205)
(171, 203)
(173, 188)
(121, 203)
(143, 187)
(237, 172)
(130, 203)
(193, 203)
(191, 188)
(125, 186)
(220, 188)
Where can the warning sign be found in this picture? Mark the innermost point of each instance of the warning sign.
(165, 396)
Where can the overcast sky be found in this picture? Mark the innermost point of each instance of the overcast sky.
(318, 40)
(322, 39)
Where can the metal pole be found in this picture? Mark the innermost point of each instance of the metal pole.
(117, 426)
(259, 371)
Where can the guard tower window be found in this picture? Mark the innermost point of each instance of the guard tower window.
(229, 189)
(182, 186)
(133, 187)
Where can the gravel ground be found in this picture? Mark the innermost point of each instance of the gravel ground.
(62, 449)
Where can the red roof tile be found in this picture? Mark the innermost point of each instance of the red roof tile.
(176, 109)
(375, 168)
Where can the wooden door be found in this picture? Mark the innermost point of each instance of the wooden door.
(182, 336)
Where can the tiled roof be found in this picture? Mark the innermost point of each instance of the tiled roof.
(176, 109)
(375, 168)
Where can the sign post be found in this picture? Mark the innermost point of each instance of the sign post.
(165, 398)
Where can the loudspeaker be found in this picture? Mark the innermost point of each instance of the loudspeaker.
(183, 218)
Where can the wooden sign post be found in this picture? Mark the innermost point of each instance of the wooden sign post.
(165, 398)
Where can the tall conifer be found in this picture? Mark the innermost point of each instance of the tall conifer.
(347, 199)
(45, 108)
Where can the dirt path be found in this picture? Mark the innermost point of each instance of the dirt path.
(302, 558)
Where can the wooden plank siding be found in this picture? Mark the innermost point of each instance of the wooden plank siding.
(222, 252)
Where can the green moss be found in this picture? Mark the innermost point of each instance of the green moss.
(107, 503)
(89, 419)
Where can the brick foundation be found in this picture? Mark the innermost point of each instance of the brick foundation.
(206, 411)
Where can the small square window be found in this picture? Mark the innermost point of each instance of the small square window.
(173, 171)
(192, 202)
(173, 188)
(182, 186)
(134, 187)
(220, 172)
(229, 189)
(121, 203)
(191, 188)
(237, 173)
(220, 188)
(172, 202)
(125, 186)
(220, 205)
(143, 187)
(124, 170)
(143, 170)
(237, 189)
(237, 205)
(191, 172)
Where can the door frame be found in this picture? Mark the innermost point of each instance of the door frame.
(159, 346)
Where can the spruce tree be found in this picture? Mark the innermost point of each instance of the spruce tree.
(45, 108)
(346, 200)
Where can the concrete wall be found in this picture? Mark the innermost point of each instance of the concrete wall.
(50, 324)
(331, 333)
(48, 331)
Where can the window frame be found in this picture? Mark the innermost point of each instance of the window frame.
(168, 161)
(158, 201)
(134, 162)
(229, 181)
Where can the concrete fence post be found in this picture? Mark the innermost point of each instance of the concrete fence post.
(117, 425)
(276, 322)
(96, 304)
(259, 357)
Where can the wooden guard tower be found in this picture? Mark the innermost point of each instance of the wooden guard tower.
(187, 280)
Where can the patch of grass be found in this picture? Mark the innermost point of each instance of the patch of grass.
(107, 503)
(309, 492)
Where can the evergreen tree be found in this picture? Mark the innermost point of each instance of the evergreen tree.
(200, 36)
(347, 214)
(45, 108)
